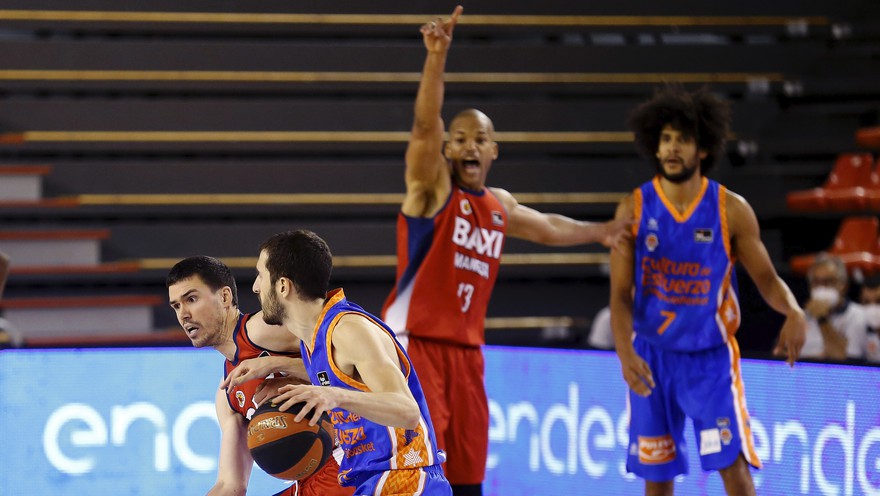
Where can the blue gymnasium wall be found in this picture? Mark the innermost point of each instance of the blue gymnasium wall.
(141, 421)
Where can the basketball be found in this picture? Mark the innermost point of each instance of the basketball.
(287, 449)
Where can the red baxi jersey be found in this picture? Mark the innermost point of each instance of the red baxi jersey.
(241, 397)
(446, 269)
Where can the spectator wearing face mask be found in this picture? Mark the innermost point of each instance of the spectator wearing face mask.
(836, 327)
(870, 299)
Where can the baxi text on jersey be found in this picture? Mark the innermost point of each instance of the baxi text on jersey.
(487, 242)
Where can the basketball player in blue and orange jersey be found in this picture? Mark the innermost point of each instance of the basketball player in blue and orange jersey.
(674, 301)
(360, 374)
(450, 234)
(202, 292)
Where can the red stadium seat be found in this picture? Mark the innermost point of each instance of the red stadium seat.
(856, 244)
(845, 188)
(873, 189)
(869, 137)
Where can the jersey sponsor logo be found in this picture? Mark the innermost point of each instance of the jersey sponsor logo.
(710, 441)
(343, 416)
(654, 450)
(351, 436)
(240, 398)
(484, 241)
(323, 378)
(355, 451)
(652, 242)
(497, 218)
(678, 283)
(465, 206)
(652, 224)
(703, 235)
(472, 264)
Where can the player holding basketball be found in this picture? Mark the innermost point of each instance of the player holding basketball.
(202, 292)
(361, 374)
(675, 336)
(450, 234)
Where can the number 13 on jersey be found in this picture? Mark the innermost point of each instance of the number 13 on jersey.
(465, 292)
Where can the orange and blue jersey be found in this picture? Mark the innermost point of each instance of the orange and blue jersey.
(400, 460)
(241, 400)
(241, 397)
(685, 283)
(446, 268)
(685, 316)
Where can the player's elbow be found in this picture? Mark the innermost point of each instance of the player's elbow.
(410, 414)
(424, 127)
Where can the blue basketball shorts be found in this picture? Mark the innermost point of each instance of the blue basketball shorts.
(706, 386)
(427, 481)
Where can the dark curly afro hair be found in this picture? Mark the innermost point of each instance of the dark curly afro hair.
(698, 114)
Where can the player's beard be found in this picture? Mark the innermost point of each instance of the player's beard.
(687, 171)
(274, 312)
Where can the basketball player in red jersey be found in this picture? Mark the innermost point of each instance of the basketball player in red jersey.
(202, 292)
(450, 234)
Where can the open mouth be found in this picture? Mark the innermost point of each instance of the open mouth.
(471, 165)
(191, 329)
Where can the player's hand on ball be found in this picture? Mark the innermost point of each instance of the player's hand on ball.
(318, 399)
(270, 388)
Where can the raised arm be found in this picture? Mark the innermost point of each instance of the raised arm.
(428, 180)
(635, 370)
(748, 248)
(369, 356)
(234, 466)
(559, 230)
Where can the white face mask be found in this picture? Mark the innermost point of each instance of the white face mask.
(872, 313)
(826, 295)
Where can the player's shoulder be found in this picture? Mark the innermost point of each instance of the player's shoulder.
(505, 197)
(625, 206)
(736, 204)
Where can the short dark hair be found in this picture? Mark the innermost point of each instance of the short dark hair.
(211, 271)
(304, 258)
(698, 114)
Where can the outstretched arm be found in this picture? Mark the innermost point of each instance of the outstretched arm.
(559, 230)
(427, 174)
(368, 355)
(747, 247)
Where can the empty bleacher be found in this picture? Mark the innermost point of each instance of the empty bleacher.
(166, 130)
